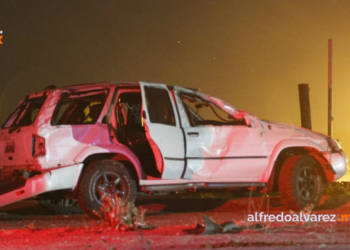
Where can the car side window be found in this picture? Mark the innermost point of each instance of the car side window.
(79, 108)
(204, 112)
(26, 113)
(159, 106)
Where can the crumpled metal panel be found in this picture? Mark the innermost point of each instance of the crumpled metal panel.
(223, 153)
(58, 179)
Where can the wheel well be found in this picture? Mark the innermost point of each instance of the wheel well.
(96, 157)
(130, 167)
(117, 157)
(282, 157)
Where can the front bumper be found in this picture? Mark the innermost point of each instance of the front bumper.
(339, 163)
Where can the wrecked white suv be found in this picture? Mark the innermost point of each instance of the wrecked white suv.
(120, 138)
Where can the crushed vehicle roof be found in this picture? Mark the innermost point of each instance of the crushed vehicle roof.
(97, 85)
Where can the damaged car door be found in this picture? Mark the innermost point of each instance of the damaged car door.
(220, 146)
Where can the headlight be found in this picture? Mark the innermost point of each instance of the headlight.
(334, 145)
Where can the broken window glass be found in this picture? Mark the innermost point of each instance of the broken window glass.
(159, 106)
(26, 113)
(201, 111)
(79, 108)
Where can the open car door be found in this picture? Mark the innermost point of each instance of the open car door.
(163, 130)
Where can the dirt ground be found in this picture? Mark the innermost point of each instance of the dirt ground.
(26, 225)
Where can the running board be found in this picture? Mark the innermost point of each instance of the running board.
(186, 186)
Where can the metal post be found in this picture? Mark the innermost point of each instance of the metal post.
(330, 118)
(304, 100)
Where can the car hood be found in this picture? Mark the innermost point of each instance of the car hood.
(292, 131)
(273, 129)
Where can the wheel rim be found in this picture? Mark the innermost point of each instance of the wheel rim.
(307, 183)
(108, 183)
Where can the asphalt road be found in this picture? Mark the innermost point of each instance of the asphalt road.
(27, 225)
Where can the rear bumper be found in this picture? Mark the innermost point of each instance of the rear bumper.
(58, 179)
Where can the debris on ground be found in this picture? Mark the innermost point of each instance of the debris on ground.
(114, 213)
(211, 227)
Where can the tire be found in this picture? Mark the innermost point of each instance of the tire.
(108, 176)
(300, 182)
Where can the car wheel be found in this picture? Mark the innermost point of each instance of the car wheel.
(108, 177)
(300, 182)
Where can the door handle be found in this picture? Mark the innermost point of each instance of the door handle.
(193, 134)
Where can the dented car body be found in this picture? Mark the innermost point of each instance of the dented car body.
(84, 140)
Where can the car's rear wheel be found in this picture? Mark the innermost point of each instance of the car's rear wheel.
(300, 182)
(105, 177)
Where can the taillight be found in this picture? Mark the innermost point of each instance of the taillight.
(38, 146)
(18, 193)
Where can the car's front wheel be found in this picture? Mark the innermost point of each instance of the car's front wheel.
(300, 182)
(105, 177)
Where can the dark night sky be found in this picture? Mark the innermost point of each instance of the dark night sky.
(249, 53)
